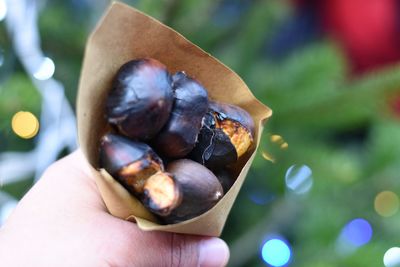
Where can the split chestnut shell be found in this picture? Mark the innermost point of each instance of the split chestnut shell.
(227, 134)
(187, 190)
(130, 162)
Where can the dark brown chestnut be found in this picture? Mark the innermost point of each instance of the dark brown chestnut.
(140, 101)
(179, 135)
(227, 133)
(186, 190)
(130, 162)
(225, 178)
(214, 148)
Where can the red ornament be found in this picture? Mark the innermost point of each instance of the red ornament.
(368, 30)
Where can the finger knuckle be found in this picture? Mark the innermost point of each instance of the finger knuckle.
(183, 251)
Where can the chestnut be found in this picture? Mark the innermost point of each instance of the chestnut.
(225, 178)
(179, 135)
(186, 190)
(141, 98)
(130, 162)
(227, 133)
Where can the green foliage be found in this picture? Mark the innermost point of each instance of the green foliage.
(10, 103)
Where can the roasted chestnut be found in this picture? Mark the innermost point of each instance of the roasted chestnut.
(179, 135)
(130, 162)
(141, 98)
(227, 133)
(186, 190)
(225, 178)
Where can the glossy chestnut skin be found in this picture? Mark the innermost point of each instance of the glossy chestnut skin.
(227, 133)
(225, 178)
(179, 135)
(140, 101)
(130, 162)
(192, 189)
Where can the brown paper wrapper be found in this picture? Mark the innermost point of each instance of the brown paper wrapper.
(125, 33)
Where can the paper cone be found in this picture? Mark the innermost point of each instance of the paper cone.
(123, 34)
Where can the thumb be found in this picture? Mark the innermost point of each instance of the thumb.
(140, 248)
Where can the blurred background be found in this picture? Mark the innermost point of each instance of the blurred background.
(324, 188)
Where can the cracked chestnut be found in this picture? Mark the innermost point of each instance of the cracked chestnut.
(130, 162)
(186, 190)
(227, 133)
(179, 135)
(140, 101)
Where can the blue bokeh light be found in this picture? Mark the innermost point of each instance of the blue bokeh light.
(260, 196)
(357, 232)
(276, 252)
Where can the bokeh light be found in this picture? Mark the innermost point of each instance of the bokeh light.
(3, 9)
(386, 203)
(45, 70)
(276, 252)
(260, 196)
(284, 146)
(275, 138)
(6, 209)
(268, 156)
(357, 232)
(392, 257)
(299, 179)
(25, 124)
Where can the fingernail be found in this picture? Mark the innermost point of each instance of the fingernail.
(213, 252)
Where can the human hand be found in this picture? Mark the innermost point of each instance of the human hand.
(62, 221)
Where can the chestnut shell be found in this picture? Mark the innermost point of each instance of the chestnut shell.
(117, 153)
(198, 189)
(234, 113)
(214, 148)
(140, 101)
(225, 178)
(179, 135)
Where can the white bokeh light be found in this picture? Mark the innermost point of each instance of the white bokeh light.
(6, 209)
(299, 179)
(392, 257)
(3, 9)
(45, 70)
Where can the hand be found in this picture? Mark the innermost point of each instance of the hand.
(62, 221)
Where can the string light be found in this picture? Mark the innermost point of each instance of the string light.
(276, 252)
(58, 125)
(25, 124)
(3, 9)
(45, 70)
